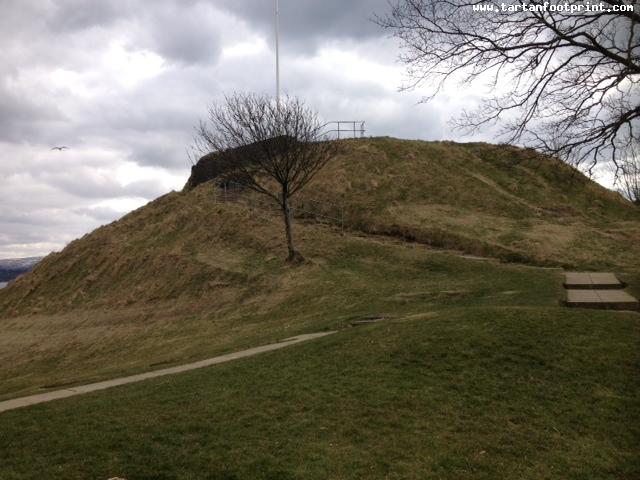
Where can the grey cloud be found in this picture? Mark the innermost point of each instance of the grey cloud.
(32, 37)
(79, 15)
(185, 31)
(168, 150)
(23, 118)
(33, 222)
(20, 16)
(82, 183)
(305, 24)
(40, 233)
(99, 214)
(187, 35)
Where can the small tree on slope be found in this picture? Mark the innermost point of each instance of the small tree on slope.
(276, 148)
(628, 176)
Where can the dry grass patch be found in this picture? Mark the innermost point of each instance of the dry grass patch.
(481, 199)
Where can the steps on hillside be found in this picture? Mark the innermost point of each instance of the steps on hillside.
(603, 299)
(593, 281)
(598, 290)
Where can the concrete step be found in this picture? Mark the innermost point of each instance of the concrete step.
(602, 299)
(592, 281)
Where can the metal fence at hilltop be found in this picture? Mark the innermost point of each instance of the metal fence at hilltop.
(319, 211)
(348, 128)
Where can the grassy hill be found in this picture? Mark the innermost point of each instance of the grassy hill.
(479, 369)
(186, 277)
(495, 201)
(482, 199)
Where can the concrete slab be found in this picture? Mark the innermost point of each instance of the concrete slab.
(577, 280)
(94, 387)
(616, 296)
(582, 297)
(602, 299)
(595, 281)
(606, 281)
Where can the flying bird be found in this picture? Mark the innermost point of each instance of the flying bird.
(63, 147)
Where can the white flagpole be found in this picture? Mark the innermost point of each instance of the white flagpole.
(277, 53)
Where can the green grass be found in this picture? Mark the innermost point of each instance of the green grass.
(357, 278)
(484, 393)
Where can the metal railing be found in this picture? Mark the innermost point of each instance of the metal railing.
(355, 128)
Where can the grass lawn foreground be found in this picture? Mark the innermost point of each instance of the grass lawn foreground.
(464, 394)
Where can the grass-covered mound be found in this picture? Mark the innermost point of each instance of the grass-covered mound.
(482, 199)
(476, 198)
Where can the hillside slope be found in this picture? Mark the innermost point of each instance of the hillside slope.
(482, 199)
(187, 276)
(476, 198)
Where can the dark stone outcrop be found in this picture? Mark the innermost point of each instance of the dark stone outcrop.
(217, 164)
(207, 168)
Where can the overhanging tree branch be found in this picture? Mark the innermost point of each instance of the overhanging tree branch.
(574, 76)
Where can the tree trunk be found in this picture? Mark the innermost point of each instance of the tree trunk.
(286, 211)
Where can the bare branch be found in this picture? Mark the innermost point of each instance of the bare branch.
(272, 148)
(574, 76)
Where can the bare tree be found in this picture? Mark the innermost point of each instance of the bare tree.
(628, 174)
(571, 76)
(275, 148)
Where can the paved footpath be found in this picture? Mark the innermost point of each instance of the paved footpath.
(93, 387)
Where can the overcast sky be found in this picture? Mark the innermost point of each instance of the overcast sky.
(123, 82)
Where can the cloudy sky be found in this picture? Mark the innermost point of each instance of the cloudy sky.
(123, 82)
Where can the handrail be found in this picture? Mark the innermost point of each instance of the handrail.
(357, 127)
